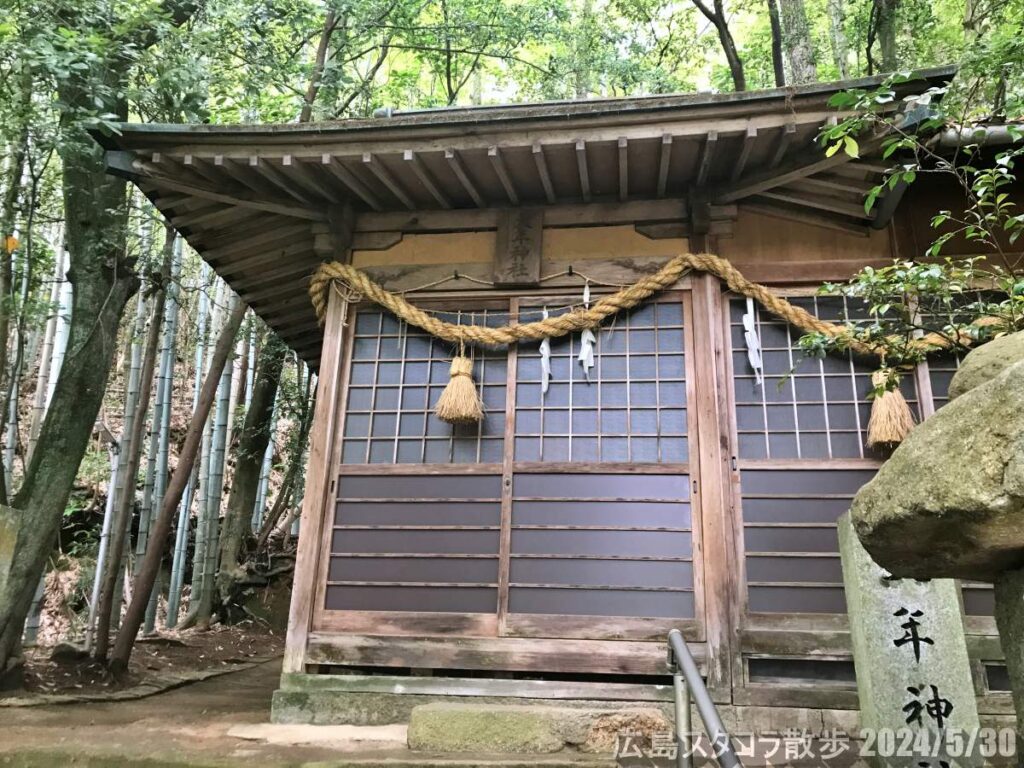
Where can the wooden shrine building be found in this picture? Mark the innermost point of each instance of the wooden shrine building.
(546, 552)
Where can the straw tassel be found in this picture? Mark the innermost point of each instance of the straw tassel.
(460, 401)
(891, 418)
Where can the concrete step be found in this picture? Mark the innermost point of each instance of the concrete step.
(527, 729)
(413, 760)
(381, 759)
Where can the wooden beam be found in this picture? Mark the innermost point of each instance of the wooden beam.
(287, 291)
(498, 163)
(285, 313)
(707, 157)
(426, 179)
(256, 242)
(830, 184)
(664, 160)
(542, 171)
(486, 653)
(385, 177)
(463, 176)
(166, 165)
(333, 241)
(243, 175)
(819, 202)
(337, 168)
(865, 165)
(623, 144)
(817, 220)
(234, 199)
(222, 216)
(299, 269)
(669, 209)
(321, 463)
(274, 252)
(749, 140)
(279, 179)
(305, 176)
(173, 202)
(226, 236)
(199, 167)
(581, 164)
(785, 139)
(799, 168)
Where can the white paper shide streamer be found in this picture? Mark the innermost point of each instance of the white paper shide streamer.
(545, 361)
(587, 339)
(753, 342)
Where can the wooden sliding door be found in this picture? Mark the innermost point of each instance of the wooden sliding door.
(800, 457)
(564, 514)
(603, 529)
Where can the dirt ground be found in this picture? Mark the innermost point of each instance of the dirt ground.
(168, 652)
(186, 726)
(217, 722)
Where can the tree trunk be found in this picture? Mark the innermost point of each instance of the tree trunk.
(252, 445)
(885, 26)
(797, 42)
(837, 33)
(717, 17)
(132, 457)
(8, 219)
(291, 477)
(316, 78)
(777, 64)
(882, 28)
(103, 280)
(146, 575)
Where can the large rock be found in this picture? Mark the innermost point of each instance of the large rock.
(950, 501)
(986, 362)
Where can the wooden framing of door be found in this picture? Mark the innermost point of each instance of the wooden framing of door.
(714, 579)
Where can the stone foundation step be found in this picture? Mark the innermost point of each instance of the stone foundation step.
(469, 761)
(527, 729)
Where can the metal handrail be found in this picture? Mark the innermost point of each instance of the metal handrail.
(680, 660)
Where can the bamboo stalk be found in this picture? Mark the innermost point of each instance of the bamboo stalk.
(146, 575)
(46, 353)
(101, 555)
(216, 479)
(133, 455)
(203, 514)
(182, 531)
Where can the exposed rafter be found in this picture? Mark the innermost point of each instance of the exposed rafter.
(498, 164)
(459, 169)
(426, 179)
(623, 145)
(664, 161)
(749, 140)
(542, 171)
(584, 171)
(356, 188)
(707, 157)
(385, 177)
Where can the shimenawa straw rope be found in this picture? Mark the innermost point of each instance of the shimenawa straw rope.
(890, 411)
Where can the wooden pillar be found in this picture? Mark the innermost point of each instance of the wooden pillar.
(321, 467)
(721, 587)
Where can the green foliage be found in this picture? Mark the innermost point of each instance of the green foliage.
(907, 300)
